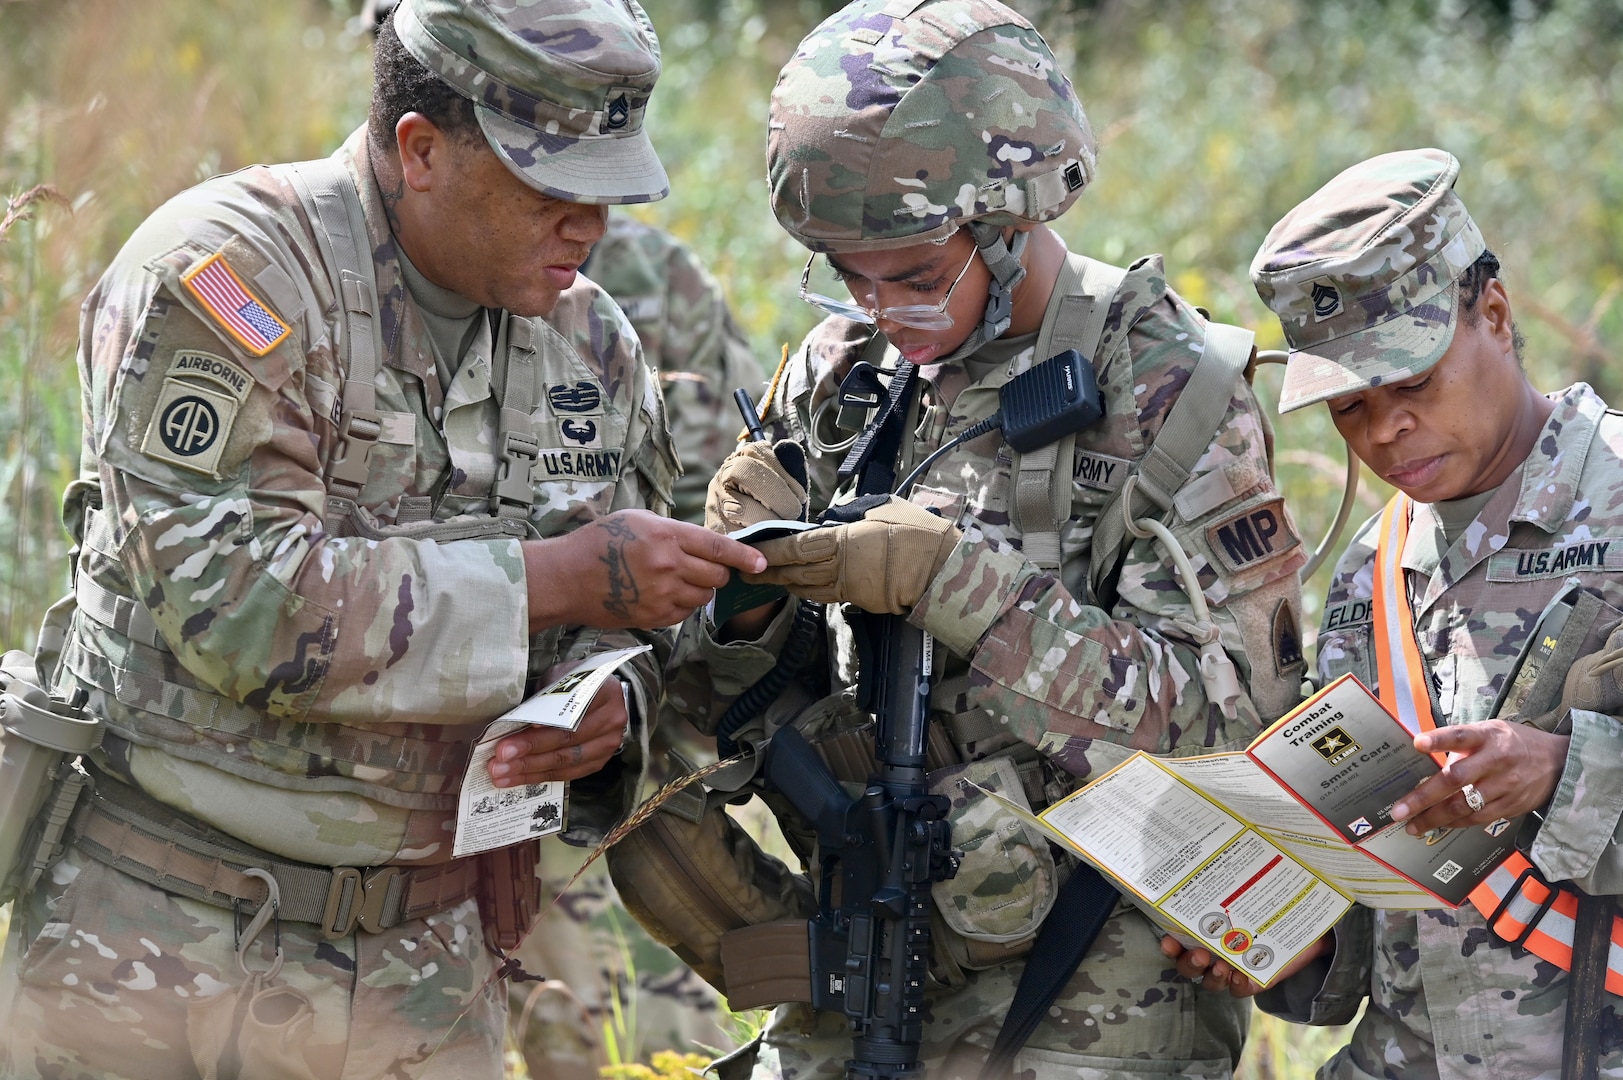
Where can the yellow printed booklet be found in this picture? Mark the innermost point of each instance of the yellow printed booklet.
(1255, 855)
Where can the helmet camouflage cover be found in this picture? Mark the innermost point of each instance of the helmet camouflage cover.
(898, 121)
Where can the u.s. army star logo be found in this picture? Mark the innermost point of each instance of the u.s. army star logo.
(1334, 745)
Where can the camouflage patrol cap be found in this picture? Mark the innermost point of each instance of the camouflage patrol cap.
(898, 121)
(1363, 275)
(560, 87)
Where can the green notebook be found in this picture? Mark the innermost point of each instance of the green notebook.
(739, 595)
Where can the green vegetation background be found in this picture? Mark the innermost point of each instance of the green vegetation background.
(1214, 118)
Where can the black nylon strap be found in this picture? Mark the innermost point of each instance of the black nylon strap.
(877, 450)
(1080, 911)
(1587, 1000)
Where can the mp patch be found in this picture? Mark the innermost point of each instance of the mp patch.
(1589, 557)
(239, 312)
(1252, 536)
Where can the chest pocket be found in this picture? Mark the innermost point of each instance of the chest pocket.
(580, 431)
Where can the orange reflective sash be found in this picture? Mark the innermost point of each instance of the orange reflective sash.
(1519, 905)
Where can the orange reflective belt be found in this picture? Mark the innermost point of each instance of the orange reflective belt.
(1519, 905)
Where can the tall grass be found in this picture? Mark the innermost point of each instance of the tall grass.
(1214, 119)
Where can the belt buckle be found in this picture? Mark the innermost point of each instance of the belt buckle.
(357, 897)
(1519, 943)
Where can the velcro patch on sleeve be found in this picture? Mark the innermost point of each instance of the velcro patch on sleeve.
(1252, 536)
(252, 324)
(190, 425)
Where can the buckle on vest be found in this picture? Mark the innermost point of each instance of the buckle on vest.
(358, 431)
(371, 888)
(1519, 943)
(514, 487)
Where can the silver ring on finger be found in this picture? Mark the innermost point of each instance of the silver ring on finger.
(1473, 798)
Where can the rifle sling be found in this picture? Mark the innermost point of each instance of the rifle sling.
(1587, 999)
(1080, 911)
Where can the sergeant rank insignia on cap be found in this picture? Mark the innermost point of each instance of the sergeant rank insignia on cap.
(223, 295)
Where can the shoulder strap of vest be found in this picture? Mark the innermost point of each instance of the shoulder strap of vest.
(1183, 437)
(1074, 319)
(334, 206)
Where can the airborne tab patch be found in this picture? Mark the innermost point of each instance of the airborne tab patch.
(216, 369)
(193, 419)
(223, 295)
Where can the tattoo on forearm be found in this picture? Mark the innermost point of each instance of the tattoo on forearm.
(623, 591)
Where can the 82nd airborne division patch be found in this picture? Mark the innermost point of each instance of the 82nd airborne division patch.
(195, 411)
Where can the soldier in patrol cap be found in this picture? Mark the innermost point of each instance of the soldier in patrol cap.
(1507, 510)
(920, 150)
(329, 525)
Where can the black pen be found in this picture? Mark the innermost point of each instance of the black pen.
(752, 419)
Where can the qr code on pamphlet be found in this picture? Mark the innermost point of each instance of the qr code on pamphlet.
(1446, 872)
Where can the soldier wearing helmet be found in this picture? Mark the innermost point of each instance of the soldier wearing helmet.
(920, 150)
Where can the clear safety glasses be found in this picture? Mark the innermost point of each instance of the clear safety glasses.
(918, 316)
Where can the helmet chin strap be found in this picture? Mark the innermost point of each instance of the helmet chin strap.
(1003, 260)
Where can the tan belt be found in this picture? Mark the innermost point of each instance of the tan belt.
(152, 843)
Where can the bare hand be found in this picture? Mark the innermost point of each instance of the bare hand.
(1217, 975)
(632, 568)
(540, 754)
(1513, 767)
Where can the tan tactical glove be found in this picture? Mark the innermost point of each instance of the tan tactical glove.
(882, 562)
(1595, 682)
(756, 484)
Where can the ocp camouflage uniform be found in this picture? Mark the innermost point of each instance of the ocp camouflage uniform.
(1039, 677)
(588, 948)
(312, 695)
(1446, 997)
(1364, 276)
(893, 126)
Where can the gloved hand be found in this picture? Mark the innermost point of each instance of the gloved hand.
(757, 482)
(1595, 682)
(881, 562)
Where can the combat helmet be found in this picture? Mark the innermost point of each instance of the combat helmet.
(901, 121)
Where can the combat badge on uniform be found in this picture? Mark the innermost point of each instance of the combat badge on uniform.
(223, 295)
(196, 408)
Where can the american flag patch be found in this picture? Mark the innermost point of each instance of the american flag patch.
(219, 290)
